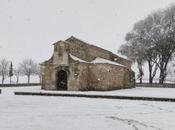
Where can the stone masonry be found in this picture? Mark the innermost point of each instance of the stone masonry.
(79, 66)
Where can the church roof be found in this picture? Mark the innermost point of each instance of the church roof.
(97, 60)
(115, 59)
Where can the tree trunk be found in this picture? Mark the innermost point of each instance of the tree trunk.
(150, 80)
(141, 80)
(153, 67)
(17, 79)
(162, 76)
(163, 72)
(150, 72)
(28, 79)
(3, 79)
(10, 79)
(140, 72)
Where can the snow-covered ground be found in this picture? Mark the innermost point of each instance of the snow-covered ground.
(71, 113)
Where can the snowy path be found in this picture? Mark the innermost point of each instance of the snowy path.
(59, 113)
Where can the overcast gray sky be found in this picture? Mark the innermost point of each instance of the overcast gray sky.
(29, 27)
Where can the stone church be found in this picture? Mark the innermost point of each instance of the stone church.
(79, 66)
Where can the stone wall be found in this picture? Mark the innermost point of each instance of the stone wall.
(51, 67)
(78, 76)
(101, 77)
(48, 77)
(108, 77)
(61, 51)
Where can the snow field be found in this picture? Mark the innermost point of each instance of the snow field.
(71, 113)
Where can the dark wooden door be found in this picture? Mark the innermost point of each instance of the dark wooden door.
(62, 80)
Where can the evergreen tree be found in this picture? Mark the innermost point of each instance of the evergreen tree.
(11, 72)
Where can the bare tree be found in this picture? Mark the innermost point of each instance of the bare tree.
(4, 66)
(134, 51)
(146, 33)
(17, 74)
(166, 47)
(28, 67)
(155, 35)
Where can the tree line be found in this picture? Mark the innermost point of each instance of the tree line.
(152, 42)
(26, 68)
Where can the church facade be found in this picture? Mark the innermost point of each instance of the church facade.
(79, 66)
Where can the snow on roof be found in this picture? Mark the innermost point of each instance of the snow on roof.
(96, 61)
(101, 60)
(77, 59)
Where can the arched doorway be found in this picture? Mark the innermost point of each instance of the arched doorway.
(61, 82)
